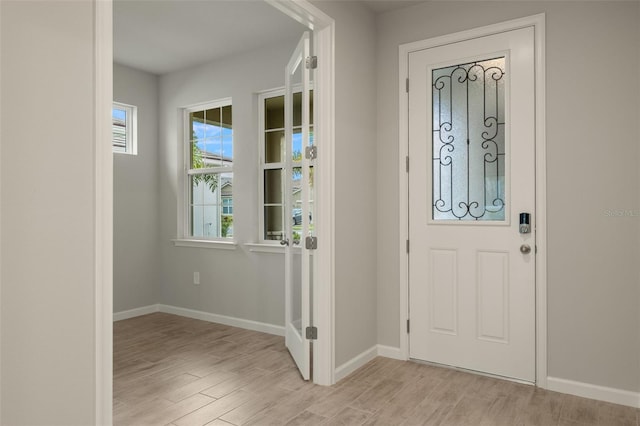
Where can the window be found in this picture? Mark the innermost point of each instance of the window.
(209, 170)
(124, 118)
(273, 164)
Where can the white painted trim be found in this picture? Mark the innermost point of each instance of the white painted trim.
(360, 360)
(587, 390)
(136, 312)
(390, 352)
(278, 330)
(538, 22)
(356, 362)
(103, 211)
(265, 248)
(1, 223)
(208, 244)
(324, 293)
(541, 201)
(263, 327)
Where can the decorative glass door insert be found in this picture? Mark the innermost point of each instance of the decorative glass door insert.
(468, 106)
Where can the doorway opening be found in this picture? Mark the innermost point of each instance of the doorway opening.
(323, 27)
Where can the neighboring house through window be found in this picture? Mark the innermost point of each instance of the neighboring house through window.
(209, 170)
(124, 119)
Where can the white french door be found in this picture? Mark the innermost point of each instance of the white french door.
(471, 184)
(298, 208)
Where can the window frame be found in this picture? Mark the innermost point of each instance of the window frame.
(263, 165)
(130, 126)
(186, 173)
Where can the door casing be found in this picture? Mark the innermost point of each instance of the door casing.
(538, 23)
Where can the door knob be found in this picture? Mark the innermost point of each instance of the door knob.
(525, 249)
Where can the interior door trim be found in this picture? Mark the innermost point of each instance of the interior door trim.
(538, 23)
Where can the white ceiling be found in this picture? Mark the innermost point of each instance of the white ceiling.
(161, 36)
(380, 6)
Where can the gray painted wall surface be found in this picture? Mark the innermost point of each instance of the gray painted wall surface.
(236, 283)
(135, 197)
(593, 98)
(47, 199)
(355, 179)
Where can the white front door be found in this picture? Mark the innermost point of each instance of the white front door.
(298, 211)
(472, 175)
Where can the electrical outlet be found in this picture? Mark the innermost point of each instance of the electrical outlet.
(196, 278)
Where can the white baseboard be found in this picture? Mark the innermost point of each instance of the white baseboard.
(359, 360)
(205, 316)
(390, 352)
(223, 319)
(602, 393)
(354, 363)
(131, 313)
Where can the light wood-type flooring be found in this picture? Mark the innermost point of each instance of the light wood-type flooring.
(180, 371)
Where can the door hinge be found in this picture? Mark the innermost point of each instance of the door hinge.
(311, 152)
(407, 84)
(408, 327)
(311, 63)
(311, 333)
(311, 243)
(407, 246)
(407, 164)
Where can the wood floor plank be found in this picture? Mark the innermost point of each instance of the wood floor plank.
(215, 409)
(174, 411)
(402, 404)
(467, 412)
(429, 412)
(306, 418)
(616, 414)
(176, 394)
(234, 383)
(290, 407)
(349, 416)
(218, 422)
(375, 397)
(242, 414)
(341, 397)
(126, 415)
(579, 410)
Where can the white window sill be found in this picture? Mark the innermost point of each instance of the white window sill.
(209, 244)
(269, 248)
(264, 248)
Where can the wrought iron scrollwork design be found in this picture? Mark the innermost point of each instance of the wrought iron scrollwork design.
(469, 141)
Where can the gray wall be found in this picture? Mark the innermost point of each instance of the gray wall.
(592, 166)
(47, 198)
(235, 283)
(135, 197)
(355, 179)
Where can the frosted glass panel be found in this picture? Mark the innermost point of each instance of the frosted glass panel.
(469, 141)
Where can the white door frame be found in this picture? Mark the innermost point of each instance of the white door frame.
(538, 23)
(323, 28)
